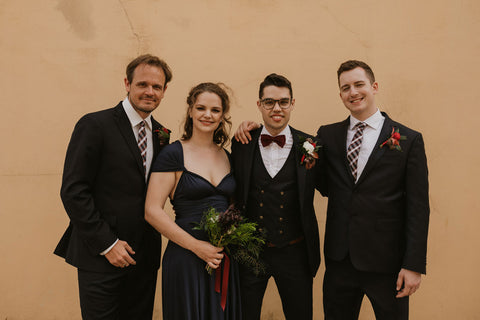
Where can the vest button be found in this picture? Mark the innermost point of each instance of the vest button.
(260, 229)
(281, 206)
(262, 191)
(261, 217)
(282, 193)
(280, 219)
(261, 204)
(281, 231)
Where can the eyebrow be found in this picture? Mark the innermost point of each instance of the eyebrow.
(356, 82)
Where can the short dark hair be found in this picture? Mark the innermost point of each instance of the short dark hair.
(352, 64)
(276, 80)
(221, 135)
(150, 60)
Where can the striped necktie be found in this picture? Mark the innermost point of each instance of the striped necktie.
(142, 144)
(354, 148)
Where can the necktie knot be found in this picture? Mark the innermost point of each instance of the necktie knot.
(360, 126)
(267, 139)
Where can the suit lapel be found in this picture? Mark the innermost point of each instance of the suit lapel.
(377, 152)
(301, 170)
(126, 130)
(155, 140)
(341, 143)
(249, 155)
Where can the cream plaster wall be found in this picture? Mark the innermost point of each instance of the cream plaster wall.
(64, 58)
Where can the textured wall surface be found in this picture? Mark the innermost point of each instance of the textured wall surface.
(64, 58)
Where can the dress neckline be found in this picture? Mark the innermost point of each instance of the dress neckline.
(200, 176)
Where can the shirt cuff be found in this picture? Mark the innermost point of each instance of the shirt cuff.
(108, 249)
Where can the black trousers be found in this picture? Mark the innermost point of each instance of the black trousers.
(116, 296)
(289, 268)
(344, 288)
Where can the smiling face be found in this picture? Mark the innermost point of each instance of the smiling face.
(358, 93)
(276, 119)
(206, 112)
(146, 89)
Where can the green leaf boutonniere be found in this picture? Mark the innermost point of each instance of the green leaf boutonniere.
(394, 141)
(163, 135)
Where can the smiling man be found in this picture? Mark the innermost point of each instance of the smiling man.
(276, 191)
(376, 180)
(107, 166)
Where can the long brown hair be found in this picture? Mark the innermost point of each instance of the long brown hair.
(221, 136)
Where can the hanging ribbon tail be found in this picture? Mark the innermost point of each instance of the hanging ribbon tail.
(221, 280)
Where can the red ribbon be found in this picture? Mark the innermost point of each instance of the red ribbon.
(222, 281)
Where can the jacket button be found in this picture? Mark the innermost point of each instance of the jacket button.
(261, 217)
(260, 229)
(281, 231)
(261, 204)
(262, 191)
(280, 219)
(282, 193)
(281, 206)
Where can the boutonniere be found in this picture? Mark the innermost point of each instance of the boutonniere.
(163, 135)
(309, 150)
(394, 141)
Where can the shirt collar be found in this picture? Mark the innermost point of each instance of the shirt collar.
(286, 131)
(133, 116)
(374, 121)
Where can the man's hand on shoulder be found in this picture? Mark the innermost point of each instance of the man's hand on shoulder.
(119, 255)
(407, 282)
(242, 134)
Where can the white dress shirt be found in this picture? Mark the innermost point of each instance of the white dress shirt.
(370, 137)
(135, 120)
(274, 156)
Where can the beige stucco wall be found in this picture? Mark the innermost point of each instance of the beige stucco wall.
(64, 58)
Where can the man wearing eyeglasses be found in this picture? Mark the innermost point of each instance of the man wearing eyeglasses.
(276, 191)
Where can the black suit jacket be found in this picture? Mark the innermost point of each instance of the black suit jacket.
(243, 154)
(103, 192)
(382, 220)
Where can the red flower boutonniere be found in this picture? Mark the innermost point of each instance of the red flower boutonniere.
(394, 141)
(309, 150)
(163, 135)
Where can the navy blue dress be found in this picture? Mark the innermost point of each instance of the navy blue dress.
(188, 291)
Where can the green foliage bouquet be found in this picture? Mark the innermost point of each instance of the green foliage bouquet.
(230, 230)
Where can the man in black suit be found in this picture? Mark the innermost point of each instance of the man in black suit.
(116, 252)
(276, 191)
(378, 210)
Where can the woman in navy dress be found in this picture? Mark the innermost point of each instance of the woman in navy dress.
(195, 174)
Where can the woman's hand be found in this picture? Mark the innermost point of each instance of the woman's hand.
(210, 254)
(242, 134)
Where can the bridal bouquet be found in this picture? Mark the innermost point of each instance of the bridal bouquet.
(230, 230)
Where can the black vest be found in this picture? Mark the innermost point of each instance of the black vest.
(273, 202)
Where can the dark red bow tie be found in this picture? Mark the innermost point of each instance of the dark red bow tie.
(267, 139)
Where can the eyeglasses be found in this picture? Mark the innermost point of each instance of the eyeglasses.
(269, 104)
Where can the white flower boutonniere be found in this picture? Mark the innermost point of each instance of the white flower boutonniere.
(309, 150)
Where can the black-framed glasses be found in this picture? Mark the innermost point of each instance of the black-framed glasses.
(269, 104)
